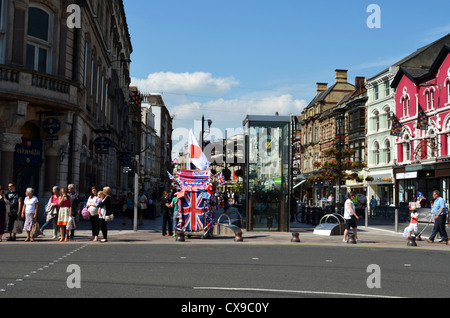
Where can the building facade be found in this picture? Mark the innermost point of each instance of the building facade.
(422, 101)
(64, 97)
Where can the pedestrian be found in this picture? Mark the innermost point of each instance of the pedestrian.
(413, 226)
(167, 217)
(91, 205)
(142, 199)
(3, 204)
(52, 216)
(64, 214)
(73, 194)
(373, 205)
(129, 212)
(15, 204)
(105, 210)
(440, 212)
(175, 212)
(350, 217)
(29, 212)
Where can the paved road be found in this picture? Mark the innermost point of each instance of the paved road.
(210, 271)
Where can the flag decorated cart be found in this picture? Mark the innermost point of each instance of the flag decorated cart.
(196, 202)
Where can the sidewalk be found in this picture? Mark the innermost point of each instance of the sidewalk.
(150, 233)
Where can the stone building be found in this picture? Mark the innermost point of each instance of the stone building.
(64, 94)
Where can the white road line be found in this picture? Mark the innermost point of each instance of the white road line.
(295, 292)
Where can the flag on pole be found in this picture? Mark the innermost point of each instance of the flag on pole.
(422, 119)
(171, 177)
(396, 129)
(197, 157)
(221, 178)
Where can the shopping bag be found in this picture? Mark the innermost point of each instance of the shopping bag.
(35, 230)
(109, 218)
(71, 224)
(18, 227)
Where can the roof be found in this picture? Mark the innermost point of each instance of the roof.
(416, 74)
(320, 97)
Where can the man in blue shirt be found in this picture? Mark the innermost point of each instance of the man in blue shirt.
(440, 216)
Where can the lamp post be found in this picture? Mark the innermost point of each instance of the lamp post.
(203, 130)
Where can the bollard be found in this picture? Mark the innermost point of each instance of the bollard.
(180, 237)
(295, 237)
(351, 239)
(238, 237)
(412, 241)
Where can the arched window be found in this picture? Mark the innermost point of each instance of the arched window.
(387, 151)
(377, 120)
(39, 43)
(405, 106)
(376, 152)
(407, 149)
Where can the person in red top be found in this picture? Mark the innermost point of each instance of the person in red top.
(65, 211)
(414, 222)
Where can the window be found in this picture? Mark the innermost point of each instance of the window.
(405, 105)
(448, 90)
(86, 65)
(377, 120)
(388, 114)
(387, 150)
(376, 153)
(2, 32)
(407, 148)
(388, 88)
(39, 46)
(377, 92)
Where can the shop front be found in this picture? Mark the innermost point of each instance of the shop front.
(381, 186)
(420, 181)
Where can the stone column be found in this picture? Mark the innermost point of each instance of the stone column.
(7, 148)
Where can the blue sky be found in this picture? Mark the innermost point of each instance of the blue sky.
(226, 59)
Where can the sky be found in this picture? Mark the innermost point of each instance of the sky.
(229, 59)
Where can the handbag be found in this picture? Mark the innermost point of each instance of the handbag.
(85, 213)
(109, 218)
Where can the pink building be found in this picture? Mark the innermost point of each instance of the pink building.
(422, 101)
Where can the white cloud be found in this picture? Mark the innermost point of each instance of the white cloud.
(230, 113)
(198, 82)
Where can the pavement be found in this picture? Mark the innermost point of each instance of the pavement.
(150, 233)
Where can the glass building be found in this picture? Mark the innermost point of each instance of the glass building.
(267, 173)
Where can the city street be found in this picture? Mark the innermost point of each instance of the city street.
(234, 271)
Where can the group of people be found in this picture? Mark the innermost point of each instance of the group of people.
(19, 214)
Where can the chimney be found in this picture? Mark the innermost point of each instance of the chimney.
(341, 76)
(321, 87)
(360, 84)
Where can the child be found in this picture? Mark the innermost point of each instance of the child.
(414, 222)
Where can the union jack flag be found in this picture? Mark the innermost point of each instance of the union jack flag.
(171, 177)
(221, 178)
(192, 214)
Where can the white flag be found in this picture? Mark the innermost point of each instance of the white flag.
(198, 158)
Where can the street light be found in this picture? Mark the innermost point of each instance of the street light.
(210, 122)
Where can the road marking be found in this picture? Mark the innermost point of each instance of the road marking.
(44, 267)
(295, 292)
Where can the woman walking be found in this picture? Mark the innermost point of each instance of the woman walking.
(29, 212)
(91, 205)
(3, 203)
(105, 210)
(53, 204)
(65, 211)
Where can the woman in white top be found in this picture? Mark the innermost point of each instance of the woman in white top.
(29, 212)
(91, 205)
(350, 217)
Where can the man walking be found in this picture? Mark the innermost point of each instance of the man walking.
(440, 212)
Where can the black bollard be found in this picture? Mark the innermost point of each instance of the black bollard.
(180, 237)
(295, 237)
(351, 239)
(412, 241)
